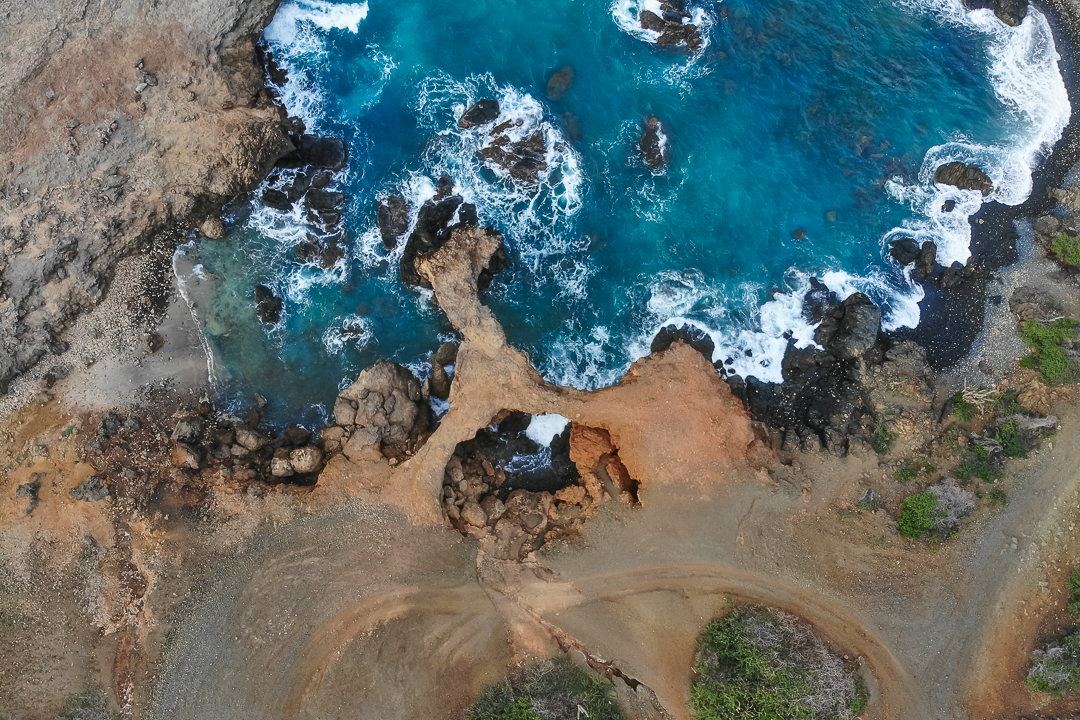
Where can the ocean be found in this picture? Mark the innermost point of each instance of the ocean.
(801, 139)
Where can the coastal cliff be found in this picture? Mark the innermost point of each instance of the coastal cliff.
(117, 122)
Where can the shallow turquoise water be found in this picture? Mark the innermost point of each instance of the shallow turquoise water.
(825, 117)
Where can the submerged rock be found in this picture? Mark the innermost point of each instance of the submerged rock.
(392, 217)
(559, 82)
(481, 113)
(964, 176)
(653, 144)
(268, 306)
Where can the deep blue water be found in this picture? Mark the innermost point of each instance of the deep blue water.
(824, 117)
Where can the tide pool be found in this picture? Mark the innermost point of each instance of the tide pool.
(801, 139)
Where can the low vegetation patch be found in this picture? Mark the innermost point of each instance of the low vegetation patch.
(758, 664)
(979, 462)
(550, 690)
(90, 704)
(918, 514)
(1066, 248)
(1055, 666)
(1047, 343)
(882, 439)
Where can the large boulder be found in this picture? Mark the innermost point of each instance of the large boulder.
(392, 217)
(964, 176)
(852, 328)
(1010, 12)
(483, 112)
(386, 405)
(268, 306)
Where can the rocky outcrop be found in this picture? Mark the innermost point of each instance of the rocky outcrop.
(693, 336)
(1010, 12)
(117, 120)
(906, 251)
(385, 410)
(673, 26)
(493, 490)
(437, 219)
(483, 112)
(522, 155)
(964, 176)
(653, 144)
(823, 402)
(392, 217)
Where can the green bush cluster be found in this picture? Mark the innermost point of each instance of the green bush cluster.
(551, 690)
(1074, 592)
(1011, 440)
(963, 410)
(746, 669)
(1048, 356)
(918, 514)
(979, 462)
(1055, 668)
(882, 439)
(1066, 248)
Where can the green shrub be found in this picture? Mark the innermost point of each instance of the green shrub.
(918, 514)
(882, 439)
(1055, 667)
(907, 473)
(1066, 248)
(998, 497)
(978, 463)
(1074, 591)
(755, 664)
(963, 410)
(1011, 440)
(1047, 354)
(555, 687)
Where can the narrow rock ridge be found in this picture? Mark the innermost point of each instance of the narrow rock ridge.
(713, 432)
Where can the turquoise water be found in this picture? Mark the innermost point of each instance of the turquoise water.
(801, 138)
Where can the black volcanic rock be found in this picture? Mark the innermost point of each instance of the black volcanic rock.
(672, 25)
(524, 159)
(693, 336)
(652, 144)
(964, 176)
(268, 306)
(392, 217)
(1010, 12)
(481, 113)
(328, 153)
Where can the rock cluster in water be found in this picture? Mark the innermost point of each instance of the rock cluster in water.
(673, 26)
